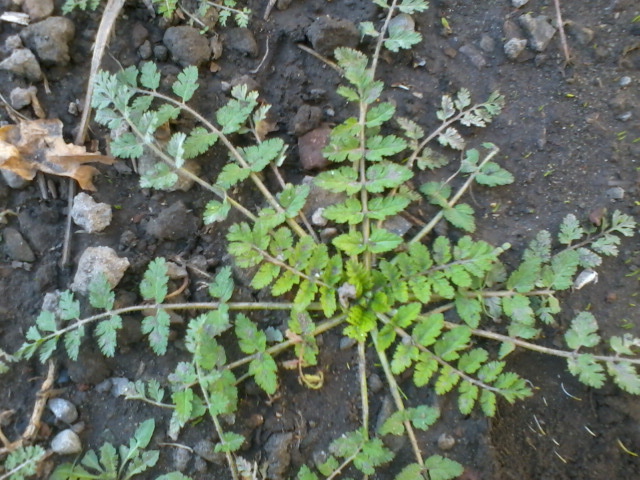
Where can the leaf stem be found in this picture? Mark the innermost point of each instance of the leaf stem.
(434, 221)
(364, 395)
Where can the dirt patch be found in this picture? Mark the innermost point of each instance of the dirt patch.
(569, 134)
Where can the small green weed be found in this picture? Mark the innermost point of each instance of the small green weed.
(389, 292)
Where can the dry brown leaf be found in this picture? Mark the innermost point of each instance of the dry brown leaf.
(37, 145)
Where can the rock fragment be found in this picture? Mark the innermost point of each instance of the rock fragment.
(22, 97)
(173, 223)
(241, 40)
(310, 146)
(328, 33)
(63, 410)
(514, 47)
(187, 45)
(306, 119)
(278, 455)
(474, 55)
(90, 215)
(16, 247)
(95, 261)
(539, 31)
(38, 9)
(24, 63)
(49, 39)
(66, 442)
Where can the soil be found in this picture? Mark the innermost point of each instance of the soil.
(569, 133)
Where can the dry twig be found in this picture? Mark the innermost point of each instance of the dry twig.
(563, 38)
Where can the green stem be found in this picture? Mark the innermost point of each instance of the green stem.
(434, 221)
(234, 153)
(364, 395)
(397, 398)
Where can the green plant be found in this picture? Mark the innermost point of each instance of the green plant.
(22, 463)
(384, 290)
(167, 8)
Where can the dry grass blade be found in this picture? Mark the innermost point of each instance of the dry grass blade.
(563, 37)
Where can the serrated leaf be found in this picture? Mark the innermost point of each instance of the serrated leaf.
(72, 341)
(106, 331)
(349, 211)
(525, 277)
(625, 376)
(306, 474)
(222, 286)
(68, 307)
(379, 114)
(488, 403)
(382, 240)
(198, 142)
(100, 292)
(451, 138)
(570, 230)
(380, 208)
(372, 455)
(293, 199)
(216, 211)
(461, 216)
(259, 156)
(413, 471)
(232, 174)
(564, 266)
(430, 159)
(384, 175)
(186, 83)
(447, 379)
(229, 442)
(403, 357)
(468, 394)
(343, 179)
(411, 129)
(423, 416)
(264, 371)
(441, 468)
(587, 370)
(160, 177)
(424, 369)
(250, 339)
(401, 37)
(157, 328)
(351, 243)
(470, 362)
(379, 146)
(284, 283)
(493, 175)
(582, 332)
(518, 308)
(154, 283)
(183, 400)
(428, 329)
(149, 76)
(449, 344)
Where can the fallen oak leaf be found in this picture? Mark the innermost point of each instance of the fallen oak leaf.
(37, 145)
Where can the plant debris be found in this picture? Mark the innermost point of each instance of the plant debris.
(35, 146)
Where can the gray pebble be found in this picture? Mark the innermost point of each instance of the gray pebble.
(16, 247)
(90, 369)
(181, 457)
(90, 215)
(328, 33)
(139, 34)
(145, 51)
(38, 9)
(241, 40)
(519, 3)
(13, 42)
(446, 442)
(474, 55)
(514, 47)
(580, 33)
(21, 97)
(160, 52)
(347, 343)
(24, 63)
(306, 119)
(66, 442)
(13, 180)
(625, 81)
(95, 261)
(615, 193)
(63, 410)
(539, 30)
(402, 22)
(49, 39)
(487, 44)
(278, 454)
(121, 386)
(375, 383)
(104, 386)
(624, 117)
(206, 450)
(187, 45)
(173, 223)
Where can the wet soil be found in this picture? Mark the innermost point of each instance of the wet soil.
(569, 134)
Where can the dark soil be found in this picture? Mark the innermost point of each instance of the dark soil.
(568, 133)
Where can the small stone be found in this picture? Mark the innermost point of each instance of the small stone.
(250, 82)
(160, 52)
(139, 35)
(66, 442)
(49, 39)
(306, 119)
(24, 63)
(328, 33)
(487, 44)
(13, 42)
(38, 9)
(624, 117)
(173, 223)
(206, 449)
(539, 30)
(241, 40)
(398, 225)
(346, 343)
(278, 454)
(63, 410)
(446, 442)
(519, 3)
(318, 218)
(91, 216)
(22, 97)
(474, 55)
(145, 51)
(625, 81)
(181, 457)
(187, 45)
(615, 193)
(580, 33)
(104, 386)
(16, 247)
(403, 22)
(514, 47)
(375, 383)
(310, 146)
(95, 261)
(120, 386)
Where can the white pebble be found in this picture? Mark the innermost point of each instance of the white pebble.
(66, 442)
(64, 410)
